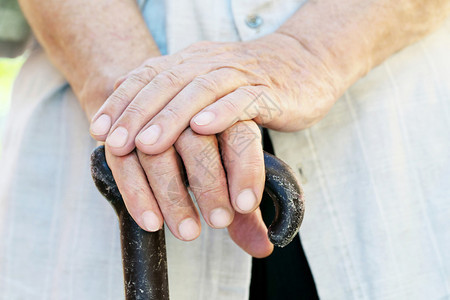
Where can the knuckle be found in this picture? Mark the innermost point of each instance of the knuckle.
(241, 136)
(161, 166)
(231, 106)
(154, 61)
(170, 78)
(175, 202)
(250, 93)
(252, 166)
(134, 191)
(211, 191)
(185, 140)
(119, 81)
(249, 126)
(145, 159)
(138, 79)
(205, 84)
(148, 72)
(119, 97)
(188, 133)
(136, 111)
(249, 129)
(163, 171)
(172, 112)
(198, 147)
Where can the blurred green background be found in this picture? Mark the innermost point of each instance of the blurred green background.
(8, 71)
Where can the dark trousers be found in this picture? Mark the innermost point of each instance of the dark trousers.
(285, 274)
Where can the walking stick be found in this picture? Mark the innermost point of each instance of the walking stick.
(144, 253)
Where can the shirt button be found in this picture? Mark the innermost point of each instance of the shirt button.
(253, 21)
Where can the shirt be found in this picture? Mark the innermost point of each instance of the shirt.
(375, 172)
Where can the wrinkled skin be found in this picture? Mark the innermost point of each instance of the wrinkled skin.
(236, 82)
(274, 81)
(301, 69)
(243, 162)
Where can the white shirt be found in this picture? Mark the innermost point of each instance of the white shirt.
(375, 171)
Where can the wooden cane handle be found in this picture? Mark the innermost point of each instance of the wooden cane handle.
(144, 253)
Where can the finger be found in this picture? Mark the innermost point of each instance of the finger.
(150, 100)
(168, 185)
(125, 90)
(244, 163)
(246, 103)
(135, 190)
(176, 115)
(120, 81)
(250, 233)
(206, 177)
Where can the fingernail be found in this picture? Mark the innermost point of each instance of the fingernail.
(188, 229)
(101, 126)
(151, 221)
(220, 218)
(246, 200)
(150, 135)
(118, 138)
(204, 118)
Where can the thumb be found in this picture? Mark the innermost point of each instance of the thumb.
(250, 233)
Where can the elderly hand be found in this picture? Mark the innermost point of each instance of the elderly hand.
(274, 81)
(153, 186)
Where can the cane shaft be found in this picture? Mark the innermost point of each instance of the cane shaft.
(144, 261)
(143, 253)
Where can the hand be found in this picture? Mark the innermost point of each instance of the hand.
(153, 186)
(274, 81)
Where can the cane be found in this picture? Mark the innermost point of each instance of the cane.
(144, 253)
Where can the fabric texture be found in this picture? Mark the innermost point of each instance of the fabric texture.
(375, 174)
